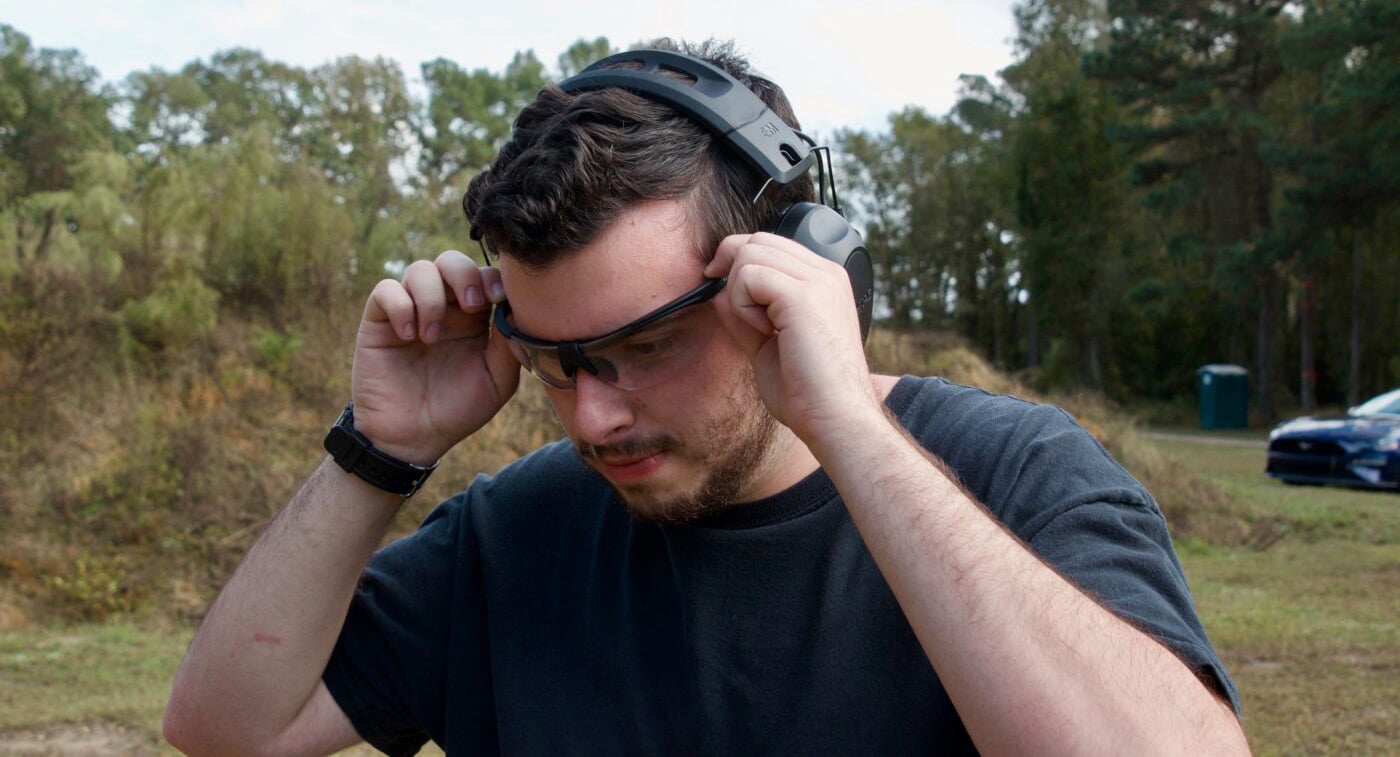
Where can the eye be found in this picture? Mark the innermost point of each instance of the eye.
(652, 347)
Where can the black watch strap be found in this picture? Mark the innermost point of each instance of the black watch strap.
(354, 452)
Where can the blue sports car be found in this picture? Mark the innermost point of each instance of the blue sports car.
(1361, 448)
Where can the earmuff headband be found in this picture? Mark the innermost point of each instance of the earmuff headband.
(711, 96)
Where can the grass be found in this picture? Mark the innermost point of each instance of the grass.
(115, 673)
(88, 674)
(1307, 627)
(1308, 631)
(1308, 513)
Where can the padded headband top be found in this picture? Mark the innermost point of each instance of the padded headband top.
(711, 96)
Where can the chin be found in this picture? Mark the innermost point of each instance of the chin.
(708, 468)
(679, 502)
(648, 507)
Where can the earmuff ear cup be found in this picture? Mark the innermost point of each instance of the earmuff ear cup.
(827, 233)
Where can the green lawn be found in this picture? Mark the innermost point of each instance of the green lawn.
(1308, 627)
(98, 675)
(1306, 513)
(88, 674)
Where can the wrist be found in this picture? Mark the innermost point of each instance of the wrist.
(356, 453)
(414, 451)
(408, 453)
(851, 433)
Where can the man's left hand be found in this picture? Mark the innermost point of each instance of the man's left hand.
(793, 314)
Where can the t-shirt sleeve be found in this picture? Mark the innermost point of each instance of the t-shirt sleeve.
(1053, 485)
(389, 669)
(1120, 553)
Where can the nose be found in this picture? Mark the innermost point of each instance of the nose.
(602, 413)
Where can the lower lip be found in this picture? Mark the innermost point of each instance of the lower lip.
(635, 470)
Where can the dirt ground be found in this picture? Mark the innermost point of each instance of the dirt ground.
(72, 740)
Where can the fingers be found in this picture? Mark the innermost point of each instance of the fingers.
(744, 306)
(760, 296)
(429, 292)
(474, 288)
(463, 279)
(428, 303)
(768, 249)
(769, 276)
(390, 304)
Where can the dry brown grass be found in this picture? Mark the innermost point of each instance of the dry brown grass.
(1195, 508)
(143, 487)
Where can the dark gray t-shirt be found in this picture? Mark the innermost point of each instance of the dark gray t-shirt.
(531, 614)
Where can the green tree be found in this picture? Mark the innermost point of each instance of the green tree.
(582, 53)
(1348, 167)
(1194, 77)
(929, 194)
(470, 113)
(53, 111)
(1074, 220)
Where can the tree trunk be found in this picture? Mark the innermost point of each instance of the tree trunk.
(1093, 363)
(19, 239)
(1032, 335)
(1354, 368)
(1307, 390)
(43, 246)
(1263, 380)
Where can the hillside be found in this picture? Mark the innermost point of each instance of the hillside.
(136, 492)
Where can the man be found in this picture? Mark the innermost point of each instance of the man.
(748, 544)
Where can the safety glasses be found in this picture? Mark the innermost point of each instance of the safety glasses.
(645, 352)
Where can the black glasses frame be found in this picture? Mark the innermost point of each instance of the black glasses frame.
(572, 353)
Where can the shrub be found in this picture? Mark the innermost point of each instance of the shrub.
(178, 312)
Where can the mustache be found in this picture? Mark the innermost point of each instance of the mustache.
(634, 447)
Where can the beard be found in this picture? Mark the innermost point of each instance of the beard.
(733, 448)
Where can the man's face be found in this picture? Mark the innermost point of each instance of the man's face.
(698, 441)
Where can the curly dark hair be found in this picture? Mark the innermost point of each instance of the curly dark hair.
(576, 161)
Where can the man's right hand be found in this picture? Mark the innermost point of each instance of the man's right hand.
(429, 368)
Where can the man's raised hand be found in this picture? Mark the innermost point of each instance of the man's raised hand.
(793, 313)
(429, 369)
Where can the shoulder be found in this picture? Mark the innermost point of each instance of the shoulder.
(1026, 461)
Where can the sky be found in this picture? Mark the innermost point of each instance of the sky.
(843, 63)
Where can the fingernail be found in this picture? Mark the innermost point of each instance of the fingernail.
(498, 292)
(431, 334)
(407, 331)
(473, 297)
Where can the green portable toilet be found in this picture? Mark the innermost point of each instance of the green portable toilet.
(1224, 396)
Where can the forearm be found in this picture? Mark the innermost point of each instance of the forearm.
(262, 648)
(1027, 658)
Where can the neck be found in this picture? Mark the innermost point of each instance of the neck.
(786, 462)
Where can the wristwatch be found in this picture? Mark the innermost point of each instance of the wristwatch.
(354, 452)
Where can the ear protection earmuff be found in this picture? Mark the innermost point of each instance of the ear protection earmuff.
(731, 111)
